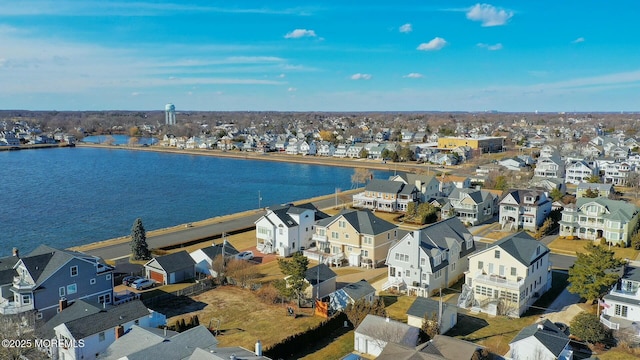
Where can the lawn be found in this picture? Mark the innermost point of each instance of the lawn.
(566, 246)
(337, 349)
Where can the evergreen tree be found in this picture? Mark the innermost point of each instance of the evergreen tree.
(294, 270)
(556, 194)
(592, 275)
(359, 309)
(430, 327)
(587, 327)
(139, 247)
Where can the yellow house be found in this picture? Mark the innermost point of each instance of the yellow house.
(355, 236)
(484, 143)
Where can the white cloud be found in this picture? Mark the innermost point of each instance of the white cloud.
(291, 89)
(406, 28)
(489, 15)
(135, 93)
(436, 43)
(360, 76)
(299, 33)
(578, 40)
(413, 76)
(494, 47)
(282, 76)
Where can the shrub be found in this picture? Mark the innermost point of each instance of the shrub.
(268, 294)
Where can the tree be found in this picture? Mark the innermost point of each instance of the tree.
(592, 274)
(411, 210)
(139, 247)
(133, 141)
(635, 240)
(359, 309)
(109, 140)
(591, 193)
(360, 176)
(430, 327)
(241, 272)
(556, 194)
(19, 329)
(633, 181)
(593, 179)
(586, 326)
(544, 229)
(363, 153)
(294, 270)
(427, 213)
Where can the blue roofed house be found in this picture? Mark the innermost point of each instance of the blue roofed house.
(431, 258)
(349, 294)
(541, 341)
(48, 275)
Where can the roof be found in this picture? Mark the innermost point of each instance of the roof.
(225, 353)
(321, 272)
(174, 262)
(549, 335)
(595, 186)
(442, 235)
(78, 309)
(134, 340)
(394, 331)
(450, 348)
(105, 319)
(363, 221)
(620, 210)
(6, 269)
(45, 261)
(426, 306)
(520, 194)
(631, 273)
(522, 247)
(358, 290)
(180, 346)
(384, 186)
(216, 249)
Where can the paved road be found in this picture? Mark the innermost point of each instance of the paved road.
(192, 233)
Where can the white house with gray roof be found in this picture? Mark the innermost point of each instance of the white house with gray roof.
(386, 195)
(595, 218)
(375, 332)
(471, 206)
(432, 309)
(427, 185)
(205, 257)
(524, 209)
(621, 308)
(541, 341)
(286, 229)
(95, 327)
(431, 258)
(507, 277)
(48, 275)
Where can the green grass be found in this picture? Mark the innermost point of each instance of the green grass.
(340, 347)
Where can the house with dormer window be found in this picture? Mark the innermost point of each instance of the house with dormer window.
(524, 209)
(48, 275)
(472, 206)
(621, 307)
(286, 229)
(427, 185)
(552, 167)
(596, 218)
(386, 195)
(431, 258)
(579, 171)
(507, 277)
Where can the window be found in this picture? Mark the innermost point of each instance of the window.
(72, 289)
(38, 316)
(26, 299)
(104, 299)
(335, 235)
(621, 310)
(497, 254)
(108, 276)
(513, 271)
(480, 265)
(74, 270)
(364, 253)
(61, 291)
(137, 322)
(368, 240)
(342, 224)
(346, 236)
(438, 273)
(101, 336)
(92, 281)
(453, 266)
(407, 273)
(423, 262)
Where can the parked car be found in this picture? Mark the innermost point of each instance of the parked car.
(245, 255)
(127, 280)
(142, 284)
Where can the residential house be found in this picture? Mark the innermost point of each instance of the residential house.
(145, 343)
(357, 236)
(322, 281)
(551, 166)
(513, 163)
(595, 218)
(524, 209)
(541, 341)
(8, 138)
(429, 259)
(7, 274)
(307, 148)
(548, 184)
(286, 229)
(450, 182)
(472, 206)
(616, 173)
(427, 309)
(350, 293)
(375, 332)
(341, 151)
(48, 275)
(326, 148)
(386, 195)
(579, 172)
(428, 186)
(621, 306)
(548, 151)
(171, 268)
(95, 326)
(205, 257)
(507, 277)
(441, 347)
(599, 190)
(354, 151)
(375, 152)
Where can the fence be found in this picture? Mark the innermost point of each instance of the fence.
(195, 289)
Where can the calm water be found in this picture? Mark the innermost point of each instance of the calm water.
(72, 196)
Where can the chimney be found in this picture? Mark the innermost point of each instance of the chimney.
(540, 326)
(62, 304)
(119, 331)
(258, 348)
(16, 253)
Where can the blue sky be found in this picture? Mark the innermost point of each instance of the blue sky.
(320, 56)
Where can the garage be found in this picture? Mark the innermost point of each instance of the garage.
(157, 276)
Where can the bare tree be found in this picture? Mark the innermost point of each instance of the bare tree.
(18, 335)
(360, 176)
(242, 272)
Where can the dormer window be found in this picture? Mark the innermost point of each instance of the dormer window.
(74, 270)
(497, 254)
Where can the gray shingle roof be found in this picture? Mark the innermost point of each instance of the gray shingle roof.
(547, 333)
(325, 274)
(394, 331)
(520, 194)
(137, 339)
(176, 261)
(363, 221)
(6, 269)
(106, 319)
(225, 353)
(77, 310)
(384, 186)
(215, 250)
(422, 306)
(442, 235)
(522, 247)
(178, 347)
(358, 290)
(44, 261)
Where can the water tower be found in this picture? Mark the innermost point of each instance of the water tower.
(170, 114)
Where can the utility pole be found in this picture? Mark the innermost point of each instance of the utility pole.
(259, 200)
